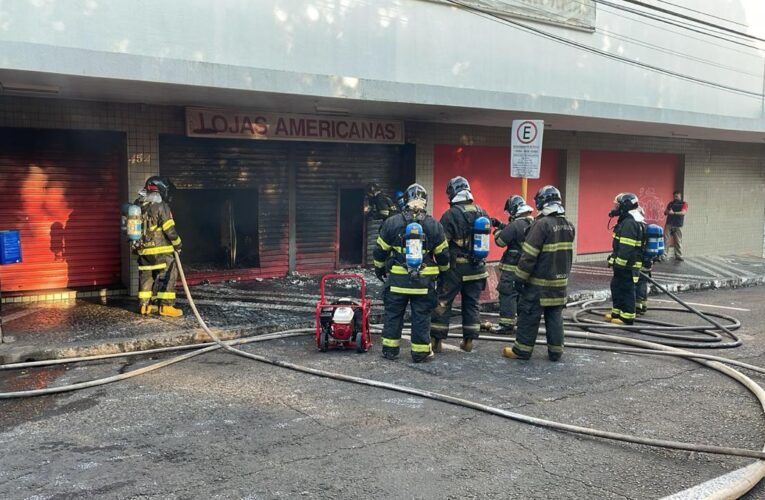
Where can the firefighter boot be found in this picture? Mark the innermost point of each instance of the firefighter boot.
(170, 311)
(608, 316)
(486, 326)
(390, 353)
(467, 345)
(508, 352)
(503, 329)
(420, 357)
(437, 345)
(617, 321)
(147, 309)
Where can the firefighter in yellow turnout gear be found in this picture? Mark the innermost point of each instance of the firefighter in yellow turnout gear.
(626, 258)
(541, 277)
(466, 275)
(157, 270)
(405, 284)
(511, 237)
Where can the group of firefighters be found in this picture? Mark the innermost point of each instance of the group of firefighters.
(535, 269)
(535, 266)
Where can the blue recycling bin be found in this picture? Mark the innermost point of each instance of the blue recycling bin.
(10, 247)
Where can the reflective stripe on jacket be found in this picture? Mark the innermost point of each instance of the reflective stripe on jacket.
(389, 253)
(547, 254)
(628, 242)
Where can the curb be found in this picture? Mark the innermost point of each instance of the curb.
(113, 346)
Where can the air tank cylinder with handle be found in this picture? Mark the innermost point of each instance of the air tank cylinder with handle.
(654, 246)
(413, 249)
(134, 223)
(481, 232)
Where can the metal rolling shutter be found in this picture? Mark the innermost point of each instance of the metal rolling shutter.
(237, 164)
(61, 189)
(322, 168)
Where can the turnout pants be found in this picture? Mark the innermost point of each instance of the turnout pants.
(508, 299)
(641, 290)
(157, 275)
(395, 307)
(530, 312)
(623, 294)
(471, 292)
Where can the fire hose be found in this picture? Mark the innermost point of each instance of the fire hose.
(637, 346)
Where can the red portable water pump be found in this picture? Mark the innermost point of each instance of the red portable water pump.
(345, 322)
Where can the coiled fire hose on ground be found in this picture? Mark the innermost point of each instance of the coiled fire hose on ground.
(643, 347)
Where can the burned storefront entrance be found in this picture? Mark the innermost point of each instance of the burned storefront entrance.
(230, 205)
(351, 227)
(259, 208)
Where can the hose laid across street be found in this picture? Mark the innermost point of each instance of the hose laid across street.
(646, 347)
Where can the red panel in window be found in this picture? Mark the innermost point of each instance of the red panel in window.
(488, 171)
(604, 174)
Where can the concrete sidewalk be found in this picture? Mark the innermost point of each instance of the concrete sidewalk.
(57, 329)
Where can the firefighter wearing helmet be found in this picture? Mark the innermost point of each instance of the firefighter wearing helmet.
(467, 273)
(410, 253)
(626, 257)
(511, 237)
(157, 270)
(541, 277)
(378, 205)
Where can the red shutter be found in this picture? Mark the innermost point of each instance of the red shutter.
(487, 168)
(61, 189)
(604, 174)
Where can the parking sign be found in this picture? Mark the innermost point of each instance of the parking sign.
(526, 148)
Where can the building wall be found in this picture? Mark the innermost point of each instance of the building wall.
(724, 182)
(393, 51)
(143, 124)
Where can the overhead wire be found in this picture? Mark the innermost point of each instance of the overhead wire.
(587, 48)
(618, 13)
(703, 13)
(716, 26)
(677, 24)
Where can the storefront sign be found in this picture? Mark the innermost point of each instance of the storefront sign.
(201, 122)
(526, 148)
(578, 14)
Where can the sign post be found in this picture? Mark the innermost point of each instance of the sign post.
(526, 151)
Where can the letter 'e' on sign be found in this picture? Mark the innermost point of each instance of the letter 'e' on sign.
(526, 148)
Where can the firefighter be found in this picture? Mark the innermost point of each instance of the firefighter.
(467, 274)
(626, 258)
(377, 205)
(541, 277)
(511, 237)
(157, 271)
(405, 282)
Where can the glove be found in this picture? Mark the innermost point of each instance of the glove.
(609, 262)
(519, 286)
(381, 273)
(497, 223)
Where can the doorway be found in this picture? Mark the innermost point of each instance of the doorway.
(219, 227)
(351, 228)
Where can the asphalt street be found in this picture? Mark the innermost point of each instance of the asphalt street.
(219, 426)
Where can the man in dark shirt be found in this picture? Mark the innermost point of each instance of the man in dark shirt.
(675, 212)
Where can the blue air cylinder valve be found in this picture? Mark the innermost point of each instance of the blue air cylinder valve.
(481, 232)
(414, 239)
(134, 223)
